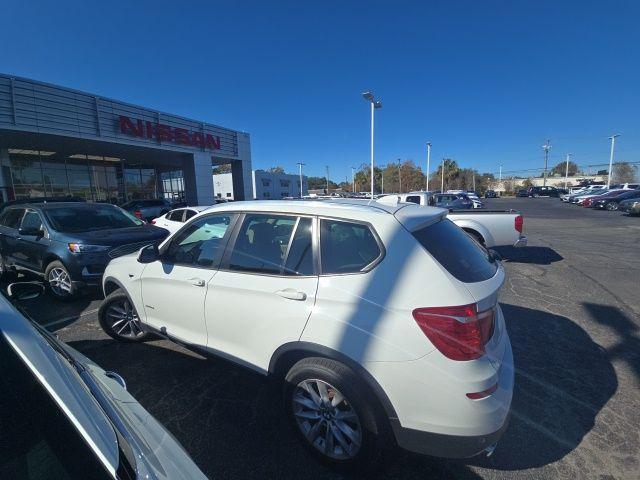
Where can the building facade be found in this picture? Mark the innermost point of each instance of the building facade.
(223, 186)
(274, 186)
(55, 141)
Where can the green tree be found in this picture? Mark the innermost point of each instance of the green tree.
(561, 167)
(623, 173)
(224, 168)
(275, 170)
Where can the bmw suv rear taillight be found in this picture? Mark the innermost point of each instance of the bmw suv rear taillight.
(138, 214)
(459, 333)
(519, 222)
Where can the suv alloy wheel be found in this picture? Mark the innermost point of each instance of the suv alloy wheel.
(59, 281)
(325, 403)
(119, 318)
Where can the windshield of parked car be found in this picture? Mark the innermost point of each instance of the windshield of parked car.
(90, 217)
(463, 257)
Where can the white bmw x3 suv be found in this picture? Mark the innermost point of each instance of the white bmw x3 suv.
(381, 319)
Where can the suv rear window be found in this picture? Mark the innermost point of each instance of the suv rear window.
(346, 247)
(456, 251)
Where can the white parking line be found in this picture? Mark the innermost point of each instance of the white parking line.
(69, 319)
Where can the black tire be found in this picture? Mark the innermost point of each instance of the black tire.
(611, 206)
(59, 288)
(125, 326)
(367, 426)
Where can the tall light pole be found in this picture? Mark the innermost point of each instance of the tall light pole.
(566, 172)
(353, 179)
(368, 96)
(546, 147)
(300, 166)
(428, 162)
(613, 144)
(399, 176)
(327, 167)
(382, 180)
(442, 186)
(500, 174)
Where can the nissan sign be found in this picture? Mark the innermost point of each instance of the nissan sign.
(167, 133)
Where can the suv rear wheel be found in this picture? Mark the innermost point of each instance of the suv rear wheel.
(119, 318)
(327, 406)
(59, 282)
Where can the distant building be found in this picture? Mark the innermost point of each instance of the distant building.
(274, 186)
(223, 186)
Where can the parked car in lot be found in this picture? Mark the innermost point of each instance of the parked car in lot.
(477, 203)
(490, 194)
(612, 202)
(64, 417)
(452, 200)
(330, 299)
(147, 209)
(591, 192)
(69, 244)
(543, 192)
(625, 205)
(175, 219)
(522, 193)
(634, 209)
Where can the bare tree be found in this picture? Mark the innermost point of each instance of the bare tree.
(623, 173)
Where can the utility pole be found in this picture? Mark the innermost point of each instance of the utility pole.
(566, 172)
(300, 165)
(400, 176)
(428, 162)
(500, 174)
(613, 144)
(327, 167)
(442, 186)
(474, 181)
(546, 147)
(353, 179)
(382, 179)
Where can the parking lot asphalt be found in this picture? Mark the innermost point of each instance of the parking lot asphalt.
(572, 306)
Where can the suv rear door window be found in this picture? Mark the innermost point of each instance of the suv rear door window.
(456, 251)
(346, 247)
(262, 243)
(413, 199)
(176, 215)
(300, 257)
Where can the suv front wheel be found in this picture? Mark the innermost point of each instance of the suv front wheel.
(59, 282)
(119, 318)
(330, 412)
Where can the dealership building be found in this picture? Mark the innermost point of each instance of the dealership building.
(55, 141)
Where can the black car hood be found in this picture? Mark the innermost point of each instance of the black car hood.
(118, 236)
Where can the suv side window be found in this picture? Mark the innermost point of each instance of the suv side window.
(32, 221)
(262, 243)
(176, 215)
(11, 218)
(346, 247)
(413, 199)
(200, 244)
(188, 214)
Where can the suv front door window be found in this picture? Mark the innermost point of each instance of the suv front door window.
(264, 291)
(33, 246)
(183, 271)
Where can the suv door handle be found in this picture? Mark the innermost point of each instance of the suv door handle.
(292, 294)
(198, 282)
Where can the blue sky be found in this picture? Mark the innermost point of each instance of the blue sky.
(485, 82)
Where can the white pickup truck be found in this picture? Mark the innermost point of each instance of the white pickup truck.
(492, 228)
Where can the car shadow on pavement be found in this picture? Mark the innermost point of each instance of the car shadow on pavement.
(563, 379)
(627, 349)
(230, 419)
(536, 255)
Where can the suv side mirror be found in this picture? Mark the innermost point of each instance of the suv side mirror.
(148, 254)
(25, 290)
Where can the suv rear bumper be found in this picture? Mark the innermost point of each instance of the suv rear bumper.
(446, 446)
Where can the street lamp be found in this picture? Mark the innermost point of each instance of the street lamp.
(428, 161)
(353, 179)
(368, 96)
(546, 147)
(300, 165)
(613, 144)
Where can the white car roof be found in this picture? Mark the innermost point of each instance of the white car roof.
(412, 216)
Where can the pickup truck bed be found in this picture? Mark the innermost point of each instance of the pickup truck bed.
(492, 228)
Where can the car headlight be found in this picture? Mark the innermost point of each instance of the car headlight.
(84, 248)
